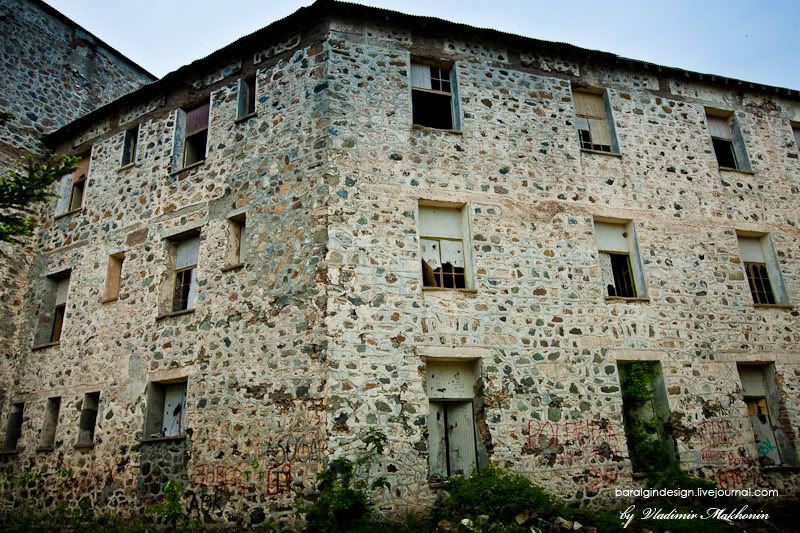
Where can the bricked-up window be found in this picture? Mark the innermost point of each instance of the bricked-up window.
(762, 270)
(236, 253)
(247, 97)
(593, 116)
(191, 136)
(620, 264)
(434, 96)
(772, 431)
(88, 420)
(166, 409)
(53, 308)
(452, 435)
(13, 427)
(645, 413)
(726, 137)
(185, 274)
(113, 277)
(47, 438)
(129, 145)
(445, 259)
(72, 188)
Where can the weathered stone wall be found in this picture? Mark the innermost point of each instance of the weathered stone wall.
(253, 350)
(546, 339)
(53, 72)
(327, 330)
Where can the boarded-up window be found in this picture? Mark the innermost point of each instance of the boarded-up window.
(619, 265)
(760, 267)
(129, 145)
(13, 427)
(113, 277)
(773, 439)
(185, 274)
(593, 120)
(727, 140)
(433, 98)
(247, 97)
(442, 247)
(166, 409)
(452, 442)
(47, 438)
(645, 413)
(88, 420)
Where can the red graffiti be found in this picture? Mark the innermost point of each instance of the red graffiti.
(717, 434)
(244, 477)
(576, 442)
(601, 478)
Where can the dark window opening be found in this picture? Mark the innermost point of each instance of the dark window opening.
(183, 287)
(88, 421)
(166, 409)
(47, 438)
(247, 97)
(586, 141)
(446, 276)
(58, 322)
(726, 155)
(623, 276)
(76, 196)
(14, 427)
(760, 287)
(443, 264)
(129, 148)
(195, 148)
(432, 109)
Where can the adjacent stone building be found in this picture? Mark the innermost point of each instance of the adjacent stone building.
(53, 71)
(358, 219)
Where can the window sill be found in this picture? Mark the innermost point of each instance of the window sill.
(44, 449)
(126, 167)
(442, 289)
(9, 452)
(188, 167)
(84, 446)
(231, 268)
(600, 152)
(780, 468)
(420, 127)
(68, 213)
(43, 346)
(626, 299)
(738, 170)
(171, 438)
(245, 118)
(175, 313)
(109, 300)
(773, 306)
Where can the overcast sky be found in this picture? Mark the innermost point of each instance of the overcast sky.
(750, 40)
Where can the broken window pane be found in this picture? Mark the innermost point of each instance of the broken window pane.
(431, 96)
(594, 131)
(443, 264)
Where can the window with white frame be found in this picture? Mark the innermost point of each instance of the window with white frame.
(444, 256)
(726, 138)
(593, 116)
(620, 263)
(761, 268)
(434, 96)
(166, 409)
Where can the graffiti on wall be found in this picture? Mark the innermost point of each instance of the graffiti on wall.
(573, 443)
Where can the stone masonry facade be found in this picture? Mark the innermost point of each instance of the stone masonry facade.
(327, 327)
(54, 71)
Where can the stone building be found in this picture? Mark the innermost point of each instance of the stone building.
(355, 218)
(53, 71)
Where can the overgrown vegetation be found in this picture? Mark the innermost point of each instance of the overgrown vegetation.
(22, 189)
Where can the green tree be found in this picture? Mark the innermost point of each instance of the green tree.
(23, 188)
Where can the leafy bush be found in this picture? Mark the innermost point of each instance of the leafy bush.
(492, 498)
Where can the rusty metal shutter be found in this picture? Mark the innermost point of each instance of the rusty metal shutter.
(197, 120)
